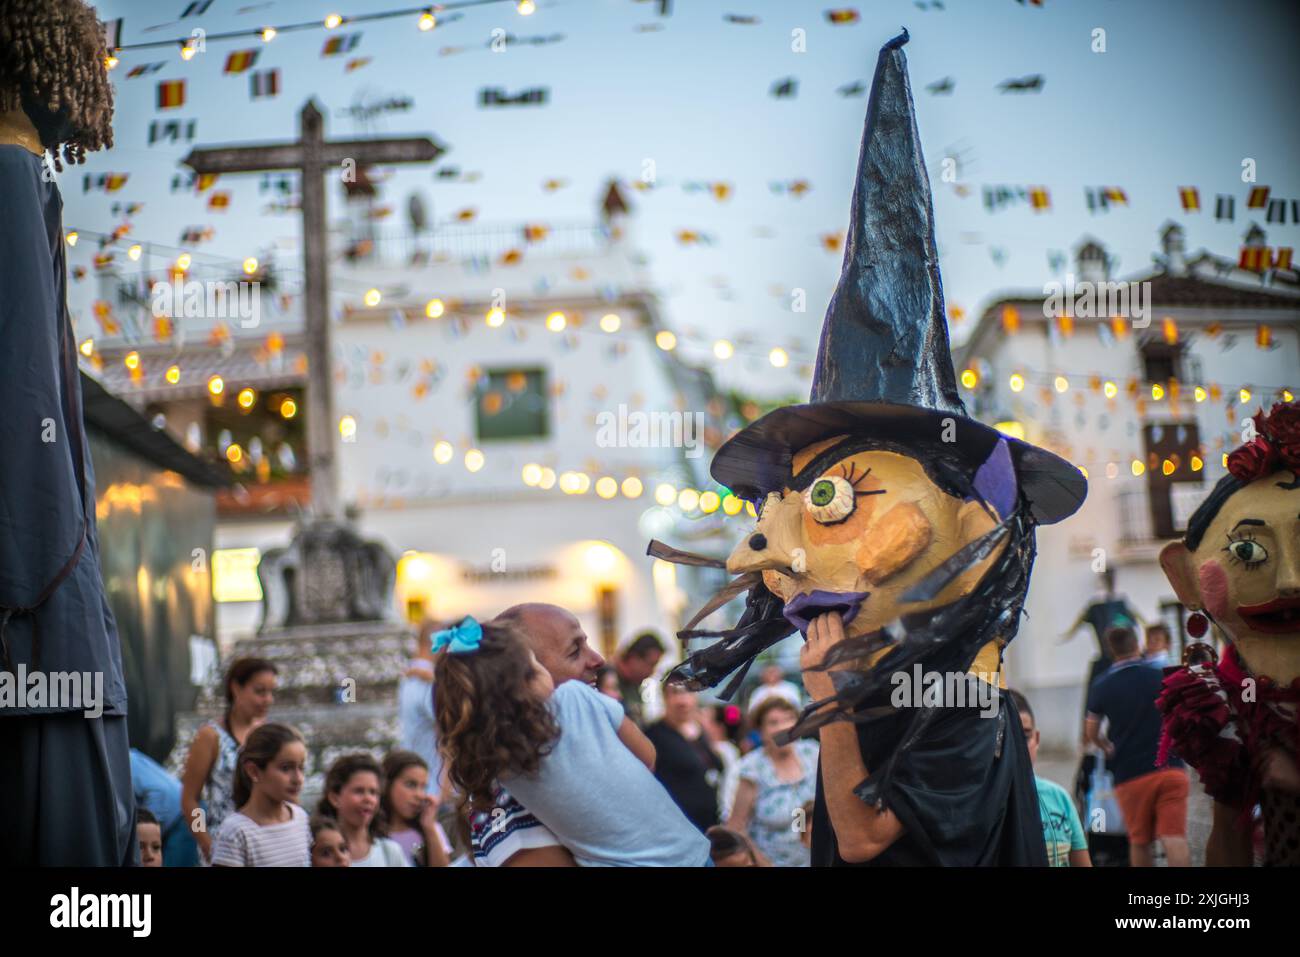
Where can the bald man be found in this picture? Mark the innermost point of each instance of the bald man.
(508, 835)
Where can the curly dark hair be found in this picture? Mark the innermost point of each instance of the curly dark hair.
(53, 67)
(489, 723)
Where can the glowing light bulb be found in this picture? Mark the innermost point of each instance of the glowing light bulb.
(732, 505)
(347, 428)
(1199, 394)
(606, 486)
(1137, 467)
(1244, 395)
(532, 474)
(632, 487)
(373, 297)
(132, 360)
(474, 460)
(442, 452)
(234, 453)
(688, 499)
(247, 397)
(610, 322)
(216, 385)
(88, 347)
(250, 265)
(709, 502)
(526, 7)
(779, 358)
(134, 252)
(427, 21)
(665, 340)
(970, 378)
(1061, 384)
(723, 349)
(434, 308)
(183, 261)
(548, 478)
(268, 34)
(72, 237)
(1167, 467)
(1157, 391)
(1197, 464)
(556, 322)
(495, 317)
(288, 409)
(332, 21)
(665, 494)
(1017, 382)
(173, 374)
(1110, 389)
(1112, 470)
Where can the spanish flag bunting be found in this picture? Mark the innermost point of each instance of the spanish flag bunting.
(204, 181)
(144, 69)
(1116, 195)
(832, 242)
(1094, 383)
(842, 16)
(1255, 258)
(466, 215)
(511, 257)
(219, 200)
(1213, 329)
(535, 232)
(1010, 320)
(103, 260)
(721, 191)
(171, 94)
(1039, 198)
(1191, 199)
(1258, 198)
(115, 181)
(1283, 259)
(1065, 325)
(340, 44)
(162, 328)
(1216, 393)
(356, 63)
(1263, 336)
(1170, 329)
(240, 60)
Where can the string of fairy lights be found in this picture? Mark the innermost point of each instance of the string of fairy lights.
(425, 18)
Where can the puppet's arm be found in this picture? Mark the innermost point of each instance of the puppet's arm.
(861, 832)
(1230, 844)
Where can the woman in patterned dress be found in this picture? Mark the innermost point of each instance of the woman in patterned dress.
(776, 781)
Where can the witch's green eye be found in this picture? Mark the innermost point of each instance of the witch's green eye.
(823, 492)
(830, 500)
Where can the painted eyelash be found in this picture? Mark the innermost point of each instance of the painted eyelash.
(849, 472)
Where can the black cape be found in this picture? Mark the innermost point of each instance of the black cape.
(54, 613)
(964, 793)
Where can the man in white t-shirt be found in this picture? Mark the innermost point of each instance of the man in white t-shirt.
(508, 835)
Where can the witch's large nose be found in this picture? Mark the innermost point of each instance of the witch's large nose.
(773, 538)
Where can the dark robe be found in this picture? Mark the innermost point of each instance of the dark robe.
(65, 779)
(964, 797)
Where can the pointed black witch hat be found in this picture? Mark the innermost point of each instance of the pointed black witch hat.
(884, 366)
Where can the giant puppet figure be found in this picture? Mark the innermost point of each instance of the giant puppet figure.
(897, 534)
(1237, 721)
(65, 772)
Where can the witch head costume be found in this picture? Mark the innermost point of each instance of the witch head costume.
(882, 500)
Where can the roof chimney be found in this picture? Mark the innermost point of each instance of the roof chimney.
(1091, 262)
(1173, 243)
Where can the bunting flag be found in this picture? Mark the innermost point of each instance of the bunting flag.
(1255, 258)
(494, 96)
(1116, 195)
(172, 131)
(219, 200)
(196, 234)
(264, 84)
(1103, 197)
(112, 34)
(1277, 211)
(108, 182)
(535, 233)
(344, 43)
(240, 60)
(1223, 207)
(144, 69)
(1283, 259)
(356, 63)
(842, 16)
(1039, 199)
(171, 94)
(787, 88)
(203, 181)
(1190, 198)
(1258, 198)
(182, 181)
(196, 9)
(125, 209)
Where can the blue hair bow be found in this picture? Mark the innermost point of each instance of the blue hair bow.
(459, 639)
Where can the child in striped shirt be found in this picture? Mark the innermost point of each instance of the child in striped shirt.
(269, 829)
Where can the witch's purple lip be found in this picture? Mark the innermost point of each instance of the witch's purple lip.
(820, 602)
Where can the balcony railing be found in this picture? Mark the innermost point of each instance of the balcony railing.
(1136, 525)
(460, 243)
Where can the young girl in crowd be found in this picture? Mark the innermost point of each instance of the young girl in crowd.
(568, 753)
(353, 785)
(328, 848)
(269, 829)
(411, 813)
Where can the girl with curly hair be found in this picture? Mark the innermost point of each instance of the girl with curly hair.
(567, 753)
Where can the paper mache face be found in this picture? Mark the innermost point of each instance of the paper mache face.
(853, 533)
(1240, 561)
(1245, 573)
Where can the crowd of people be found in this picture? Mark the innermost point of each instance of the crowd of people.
(521, 746)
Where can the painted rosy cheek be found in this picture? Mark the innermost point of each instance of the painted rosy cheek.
(1214, 588)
